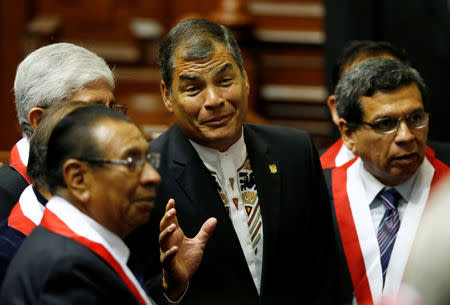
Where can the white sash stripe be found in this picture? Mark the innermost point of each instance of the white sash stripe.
(76, 221)
(343, 156)
(30, 206)
(364, 228)
(23, 147)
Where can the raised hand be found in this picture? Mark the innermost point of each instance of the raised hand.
(180, 255)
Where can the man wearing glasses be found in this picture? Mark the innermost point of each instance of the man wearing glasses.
(103, 181)
(379, 196)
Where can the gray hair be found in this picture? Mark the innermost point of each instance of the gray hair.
(54, 73)
(368, 78)
(197, 36)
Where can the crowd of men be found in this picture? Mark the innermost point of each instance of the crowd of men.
(215, 210)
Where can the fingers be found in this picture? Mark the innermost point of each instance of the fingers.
(167, 256)
(170, 204)
(206, 230)
(169, 217)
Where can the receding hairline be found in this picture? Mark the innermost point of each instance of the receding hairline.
(184, 47)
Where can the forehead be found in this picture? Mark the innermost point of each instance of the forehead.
(97, 91)
(116, 138)
(219, 58)
(397, 102)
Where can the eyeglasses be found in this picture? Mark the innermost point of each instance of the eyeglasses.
(131, 162)
(387, 125)
(119, 108)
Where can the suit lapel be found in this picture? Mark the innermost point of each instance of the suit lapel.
(267, 170)
(194, 178)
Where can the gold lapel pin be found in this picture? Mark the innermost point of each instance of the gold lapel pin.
(273, 168)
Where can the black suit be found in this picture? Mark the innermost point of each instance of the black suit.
(299, 254)
(51, 269)
(12, 184)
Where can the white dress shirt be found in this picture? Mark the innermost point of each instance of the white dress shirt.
(225, 165)
(372, 187)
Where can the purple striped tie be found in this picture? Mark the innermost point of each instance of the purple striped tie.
(388, 228)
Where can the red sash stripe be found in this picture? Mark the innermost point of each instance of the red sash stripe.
(441, 170)
(349, 236)
(17, 220)
(328, 158)
(52, 223)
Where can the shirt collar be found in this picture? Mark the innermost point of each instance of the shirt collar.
(372, 186)
(211, 157)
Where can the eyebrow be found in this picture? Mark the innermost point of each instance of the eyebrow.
(224, 68)
(390, 116)
(186, 77)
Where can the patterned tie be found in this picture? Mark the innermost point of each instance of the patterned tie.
(387, 231)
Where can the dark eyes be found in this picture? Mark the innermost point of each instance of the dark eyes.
(226, 80)
(191, 89)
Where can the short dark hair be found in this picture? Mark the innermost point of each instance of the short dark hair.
(197, 35)
(38, 143)
(72, 137)
(370, 48)
(369, 77)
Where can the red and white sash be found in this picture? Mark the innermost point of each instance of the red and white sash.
(62, 218)
(332, 157)
(338, 154)
(18, 158)
(27, 212)
(359, 237)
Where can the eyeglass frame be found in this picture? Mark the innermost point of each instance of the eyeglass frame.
(152, 158)
(119, 108)
(424, 124)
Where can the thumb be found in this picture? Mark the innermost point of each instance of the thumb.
(206, 230)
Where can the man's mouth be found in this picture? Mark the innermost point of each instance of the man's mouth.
(406, 159)
(218, 120)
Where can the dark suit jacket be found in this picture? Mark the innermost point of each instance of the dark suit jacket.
(53, 270)
(12, 184)
(299, 254)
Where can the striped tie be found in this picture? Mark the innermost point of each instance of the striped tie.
(387, 231)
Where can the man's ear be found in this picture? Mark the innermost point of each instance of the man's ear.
(348, 135)
(78, 177)
(35, 116)
(166, 97)
(331, 102)
(247, 84)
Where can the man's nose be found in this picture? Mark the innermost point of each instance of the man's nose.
(213, 97)
(150, 175)
(403, 134)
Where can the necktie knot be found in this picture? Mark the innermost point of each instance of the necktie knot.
(390, 198)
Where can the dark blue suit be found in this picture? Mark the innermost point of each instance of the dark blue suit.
(11, 239)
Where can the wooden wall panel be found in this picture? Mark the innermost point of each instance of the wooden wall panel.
(12, 23)
(283, 51)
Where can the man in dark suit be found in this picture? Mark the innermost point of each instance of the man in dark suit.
(49, 75)
(100, 172)
(274, 241)
(27, 212)
(379, 196)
